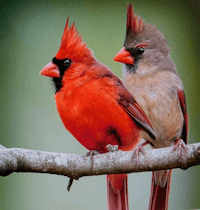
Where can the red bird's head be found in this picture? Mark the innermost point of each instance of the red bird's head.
(73, 53)
(144, 45)
(72, 46)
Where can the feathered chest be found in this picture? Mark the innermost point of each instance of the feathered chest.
(92, 114)
(157, 96)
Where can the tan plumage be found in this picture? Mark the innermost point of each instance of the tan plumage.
(151, 76)
(157, 95)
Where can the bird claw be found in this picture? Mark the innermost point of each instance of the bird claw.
(112, 148)
(182, 149)
(92, 153)
(137, 151)
(180, 143)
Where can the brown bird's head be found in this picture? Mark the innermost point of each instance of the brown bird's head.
(145, 47)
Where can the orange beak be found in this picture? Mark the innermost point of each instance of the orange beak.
(50, 70)
(124, 56)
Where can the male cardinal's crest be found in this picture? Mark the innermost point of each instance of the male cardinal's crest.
(72, 42)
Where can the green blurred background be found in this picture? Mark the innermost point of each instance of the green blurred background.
(30, 37)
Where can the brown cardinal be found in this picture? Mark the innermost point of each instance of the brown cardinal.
(95, 107)
(151, 76)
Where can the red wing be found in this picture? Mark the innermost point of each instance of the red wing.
(129, 104)
(182, 101)
(135, 111)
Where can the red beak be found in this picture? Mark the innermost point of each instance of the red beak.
(124, 56)
(50, 70)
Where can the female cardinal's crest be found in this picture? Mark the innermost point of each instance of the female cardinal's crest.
(72, 45)
(134, 23)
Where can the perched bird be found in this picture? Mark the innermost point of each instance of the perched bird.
(95, 107)
(151, 76)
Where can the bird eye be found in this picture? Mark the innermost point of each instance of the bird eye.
(66, 62)
(139, 51)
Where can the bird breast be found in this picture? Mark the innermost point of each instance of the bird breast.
(157, 96)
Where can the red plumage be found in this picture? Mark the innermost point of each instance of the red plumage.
(182, 101)
(95, 107)
(72, 42)
(159, 195)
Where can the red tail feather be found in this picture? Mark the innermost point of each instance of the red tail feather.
(117, 192)
(159, 195)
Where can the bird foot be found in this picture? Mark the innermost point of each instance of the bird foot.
(180, 146)
(138, 150)
(92, 153)
(112, 148)
(182, 149)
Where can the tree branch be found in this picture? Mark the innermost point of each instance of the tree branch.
(75, 166)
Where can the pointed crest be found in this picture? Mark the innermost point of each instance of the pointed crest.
(134, 22)
(71, 43)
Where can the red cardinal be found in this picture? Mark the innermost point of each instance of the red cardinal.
(151, 76)
(95, 107)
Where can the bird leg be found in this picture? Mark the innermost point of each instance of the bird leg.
(92, 153)
(181, 147)
(137, 151)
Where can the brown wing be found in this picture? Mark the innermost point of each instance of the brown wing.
(182, 102)
(135, 111)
